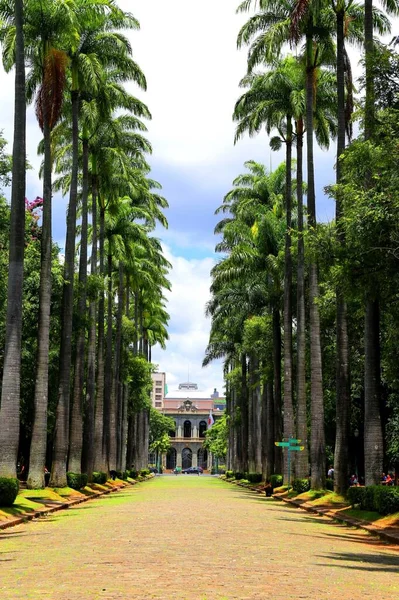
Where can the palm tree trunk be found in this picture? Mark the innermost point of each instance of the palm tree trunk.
(11, 384)
(251, 417)
(109, 391)
(61, 434)
(100, 463)
(317, 449)
(373, 437)
(39, 430)
(302, 458)
(244, 415)
(118, 390)
(125, 391)
(341, 454)
(269, 436)
(76, 422)
(373, 448)
(278, 425)
(89, 422)
(289, 424)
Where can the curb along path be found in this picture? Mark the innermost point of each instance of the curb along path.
(390, 536)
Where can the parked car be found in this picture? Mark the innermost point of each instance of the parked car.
(193, 470)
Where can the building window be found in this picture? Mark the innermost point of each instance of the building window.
(158, 390)
(158, 383)
(202, 429)
(158, 397)
(187, 429)
(158, 404)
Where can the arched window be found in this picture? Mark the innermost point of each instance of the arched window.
(186, 458)
(202, 429)
(171, 458)
(172, 432)
(187, 429)
(202, 458)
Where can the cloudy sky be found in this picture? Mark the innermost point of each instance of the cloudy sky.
(188, 52)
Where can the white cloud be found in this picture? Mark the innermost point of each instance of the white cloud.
(189, 328)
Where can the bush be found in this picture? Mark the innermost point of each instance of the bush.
(388, 500)
(276, 481)
(254, 477)
(370, 499)
(238, 475)
(133, 474)
(301, 485)
(9, 487)
(229, 474)
(74, 480)
(144, 472)
(84, 478)
(99, 477)
(355, 495)
(125, 475)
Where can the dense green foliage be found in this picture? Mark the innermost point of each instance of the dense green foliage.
(301, 485)
(99, 477)
(377, 498)
(77, 481)
(9, 488)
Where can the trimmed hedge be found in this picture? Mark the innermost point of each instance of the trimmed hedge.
(238, 475)
(133, 474)
(301, 485)
(254, 477)
(144, 472)
(375, 498)
(276, 481)
(99, 477)
(355, 495)
(229, 474)
(9, 488)
(76, 481)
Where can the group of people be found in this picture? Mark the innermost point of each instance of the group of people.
(388, 479)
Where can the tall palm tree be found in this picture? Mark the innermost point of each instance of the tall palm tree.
(48, 27)
(271, 102)
(10, 390)
(242, 287)
(373, 435)
(99, 46)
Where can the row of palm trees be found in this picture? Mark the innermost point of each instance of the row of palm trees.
(307, 96)
(78, 61)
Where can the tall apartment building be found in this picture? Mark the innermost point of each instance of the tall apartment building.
(158, 390)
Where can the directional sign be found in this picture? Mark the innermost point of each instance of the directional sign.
(294, 441)
(284, 444)
(297, 447)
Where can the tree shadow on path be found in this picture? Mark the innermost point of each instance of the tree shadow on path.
(364, 562)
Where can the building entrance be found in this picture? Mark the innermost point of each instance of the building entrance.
(187, 458)
(202, 458)
(171, 458)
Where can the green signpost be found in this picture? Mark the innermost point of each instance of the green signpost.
(292, 446)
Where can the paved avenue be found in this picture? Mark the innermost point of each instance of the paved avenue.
(192, 538)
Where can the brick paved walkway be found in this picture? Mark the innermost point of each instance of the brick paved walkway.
(192, 538)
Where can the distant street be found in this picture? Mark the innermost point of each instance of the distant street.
(192, 538)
